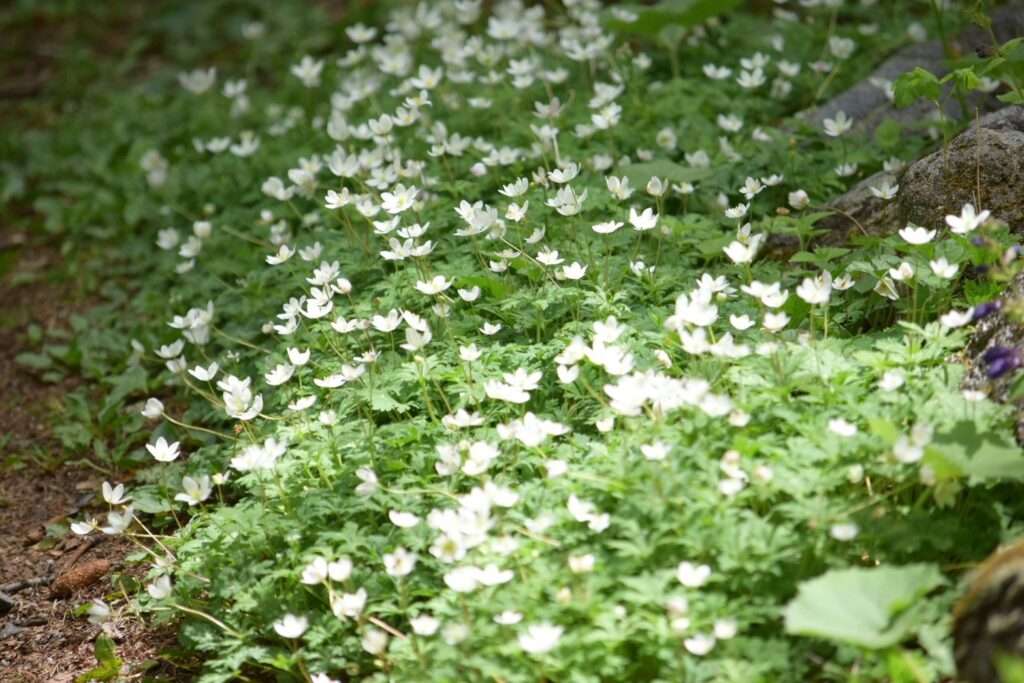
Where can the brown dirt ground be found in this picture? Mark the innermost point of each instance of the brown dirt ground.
(41, 640)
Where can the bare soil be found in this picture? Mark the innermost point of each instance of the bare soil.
(43, 640)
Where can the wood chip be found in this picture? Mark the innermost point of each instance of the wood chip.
(78, 578)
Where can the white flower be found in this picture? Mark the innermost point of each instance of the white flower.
(298, 357)
(339, 570)
(424, 625)
(154, 408)
(606, 228)
(308, 71)
(291, 626)
(159, 589)
(114, 495)
(99, 611)
(915, 234)
(904, 272)
(195, 490)
(968, 220)
(284, 253)
(280, 374)
(163, 451)
(198, 81)
(470, 353)
(844, 532)
(647, 220)
(540, 638)
(315, 572)
(655, 451)
(700, 644)
(348, 604)
(399, 563)
(619, 187)
(798, 199)
(891, 380)
(463, 579)
(837, 126)
(85, 528)
(204, 374)
(565, 174)
(403, 520)
(816, 290)
(581, 564)
(725, 629)
(886, 190)
(842, 427)
(773, 322)
(436, 285)
(693, 575)
(741, 253)
(656, 187)
(515, 189)
(374, 641)
(954, 319)
(943, 268)
(574, 271)
(508, 618)
(369, 483)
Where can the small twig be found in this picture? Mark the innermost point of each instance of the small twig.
(390, 629)
(16, 586)
(81, 550)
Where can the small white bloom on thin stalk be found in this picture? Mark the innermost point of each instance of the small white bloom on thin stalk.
(540, 638)
(291, 626)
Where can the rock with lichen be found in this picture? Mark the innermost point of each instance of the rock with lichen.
(984, 166)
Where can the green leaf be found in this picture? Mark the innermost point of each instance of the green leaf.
(109, 667)
(963, 450)
(915, 84)
(908, 667)
(682, 13)
(36, 361)
(1012, 97)
(639, 174)
(889, 134)
(884, 429)
(865, 607)
(128, 382)
(964, 80)
(150, 500)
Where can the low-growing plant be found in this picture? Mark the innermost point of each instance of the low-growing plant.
(465, 358)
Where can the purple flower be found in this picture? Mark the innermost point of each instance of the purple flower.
(986, 309)
(1001, 360)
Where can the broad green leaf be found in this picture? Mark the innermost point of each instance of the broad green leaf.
(151, 500)
(865, 607)
(915, 84)
(964, 451)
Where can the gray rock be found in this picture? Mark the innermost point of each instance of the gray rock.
(984, 165)
(868, 104)
(6, 603)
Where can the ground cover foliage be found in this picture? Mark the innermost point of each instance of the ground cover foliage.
(460, 355)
